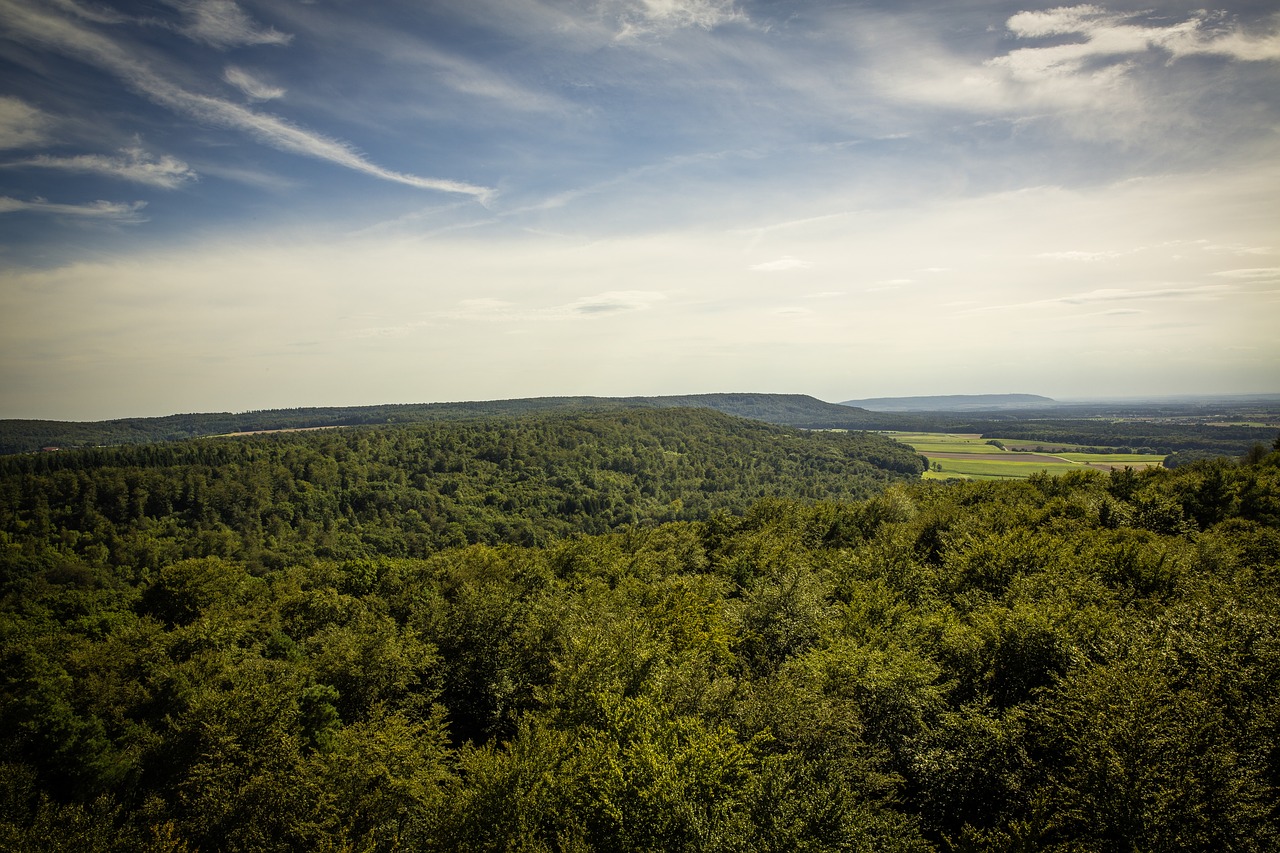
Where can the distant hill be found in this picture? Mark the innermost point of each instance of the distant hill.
(951, 403)
(795, 410)
(413, 489)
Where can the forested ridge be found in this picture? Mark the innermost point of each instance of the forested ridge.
(1222, 428)
(798, 410)
(409, 491)
(1082, 663)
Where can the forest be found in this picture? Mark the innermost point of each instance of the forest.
(663, 629)
(1207, 428)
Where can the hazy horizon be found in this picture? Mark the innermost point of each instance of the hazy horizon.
(211, 205)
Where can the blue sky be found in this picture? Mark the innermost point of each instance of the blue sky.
(211, 205)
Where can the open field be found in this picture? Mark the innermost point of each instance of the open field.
(985, 469)
(971, 457)
(936, 442)
(1115, 460)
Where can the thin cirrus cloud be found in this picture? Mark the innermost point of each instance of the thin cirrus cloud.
(21, 124)
(613, 302)
(643, 17)
(123, 212)
(132, 164)
(100, 51)
(596, 305)
(501, 311)
(253, 88)
(223, 24)
(1206, 291)
(782, 264)
(1260, 273)
(1075, 255)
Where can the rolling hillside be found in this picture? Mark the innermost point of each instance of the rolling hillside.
(797, 410)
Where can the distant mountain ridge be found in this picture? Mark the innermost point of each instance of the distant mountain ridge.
(795, 410)
(951, 403)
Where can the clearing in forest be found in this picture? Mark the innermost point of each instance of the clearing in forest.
(971, 456)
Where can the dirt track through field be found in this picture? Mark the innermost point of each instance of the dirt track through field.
(1000, 457)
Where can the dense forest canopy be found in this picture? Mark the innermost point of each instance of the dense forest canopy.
(668, 630)
(409, 491)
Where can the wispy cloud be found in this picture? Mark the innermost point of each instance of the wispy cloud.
(782, 264)
(268, 129)
(1261, 273)
(223, 24)
(502, 311)
(1090, 62)
(248, 177)
(132, 164)
(253, 88)
(21, 124)
(1088, 257)
(96, 14)
(123, 212)
(1119, 294)
(890, 284)
(612, 302)
(1104, 295)
(1236, 249)
(1109, 34)
(643, 17)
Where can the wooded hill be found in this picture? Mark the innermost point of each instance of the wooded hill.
(1084, 663)
(1205, 428)
(950, 402)
(798, 410)
(409, 491)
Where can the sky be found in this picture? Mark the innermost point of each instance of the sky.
(229, 205)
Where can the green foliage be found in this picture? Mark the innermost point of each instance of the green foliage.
(242, 646)
(358, 494)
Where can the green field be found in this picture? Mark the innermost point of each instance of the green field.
(981, 469)
(969, 456)
(1136, 460)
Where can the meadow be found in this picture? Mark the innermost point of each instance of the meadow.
(973, 456)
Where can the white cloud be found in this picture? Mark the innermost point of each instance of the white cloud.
(1101, 76)
(21, 124)
(1118, 294)
(1236, 249)
(1088, 257)
(253, 88)
(643, 17)
(1112, 34)
(116, 211)
(97, 14)
(889, 284)
(612, 302)
(132, 164)
(782, 265)
(223, 24)
(248, 177)
(490, 310)
(268, 129)
(1108, 38)
(1262, 273)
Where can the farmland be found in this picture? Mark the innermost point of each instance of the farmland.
(972, 456)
